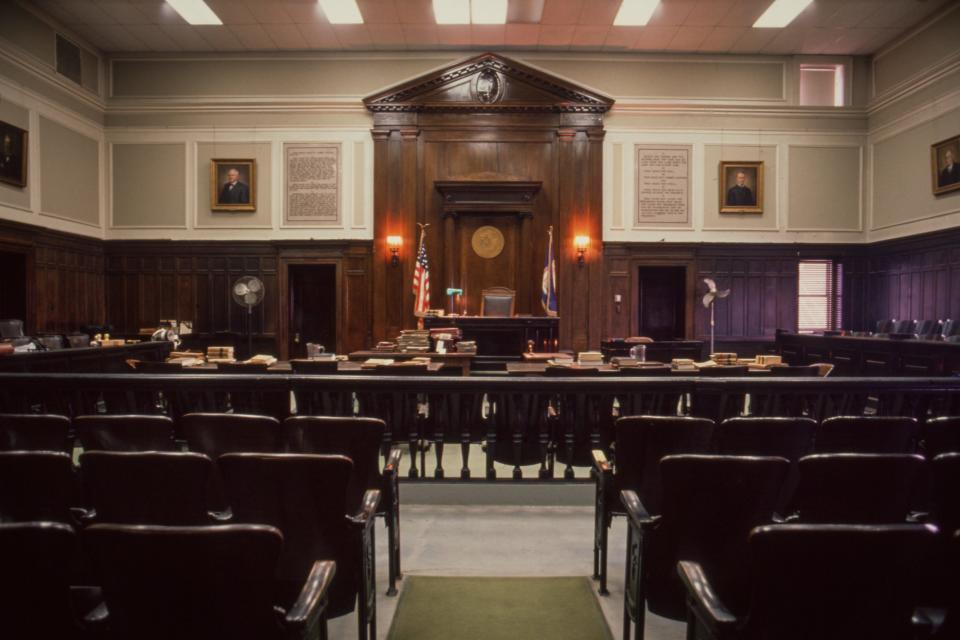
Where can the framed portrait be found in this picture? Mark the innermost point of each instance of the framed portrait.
(945, 165)
(741, 187)
(13, 155)
(233, 185)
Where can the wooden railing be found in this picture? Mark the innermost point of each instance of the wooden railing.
(541, 422)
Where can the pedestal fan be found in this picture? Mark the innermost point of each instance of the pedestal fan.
(709, 298)
(248, 291)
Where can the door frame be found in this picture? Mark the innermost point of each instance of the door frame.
(28, 251)
(689, 294)
(283, 315)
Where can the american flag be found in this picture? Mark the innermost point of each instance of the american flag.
(421, 279)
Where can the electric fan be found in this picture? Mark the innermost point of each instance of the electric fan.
(248, 291)
(709, 298)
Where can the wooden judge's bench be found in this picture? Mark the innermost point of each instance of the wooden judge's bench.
(503, 338)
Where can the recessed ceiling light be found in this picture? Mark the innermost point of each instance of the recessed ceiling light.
(195, 11)
(780, 13)
(635, 13)
(488, 11)
(342, 11)
(451, 11)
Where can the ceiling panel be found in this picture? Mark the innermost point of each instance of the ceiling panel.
(842, 27)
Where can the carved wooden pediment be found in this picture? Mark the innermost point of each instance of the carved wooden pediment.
(488, 82)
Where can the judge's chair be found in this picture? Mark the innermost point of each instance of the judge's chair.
(497, 302)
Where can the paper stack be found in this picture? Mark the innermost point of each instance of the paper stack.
(467, 346)
(590, 358)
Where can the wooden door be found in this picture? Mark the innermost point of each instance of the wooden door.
(661, 304)
(312, 307)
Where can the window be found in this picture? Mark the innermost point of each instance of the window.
(822, 85)
(819, 295)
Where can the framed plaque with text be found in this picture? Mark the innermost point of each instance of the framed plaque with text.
(662, 185)
(311, 184)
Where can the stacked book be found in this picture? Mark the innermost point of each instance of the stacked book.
(414, 340)
(220, 354)
(467, 346)
(683, 364)
(446, 333)
(386, 346)
(724, 359)
(590, 358)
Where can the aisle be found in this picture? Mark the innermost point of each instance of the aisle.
(500, 541)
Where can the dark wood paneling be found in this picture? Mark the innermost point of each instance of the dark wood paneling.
(64, 277)
(149, 281)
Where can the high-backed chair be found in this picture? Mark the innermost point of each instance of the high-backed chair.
(215, 434)
(710, 505)
(305, 496)
(125, 433)
(940, 435)
(866, 434)
(359, 439)
(950, 328)
(721, 405)
(497, 301)
(829, 582)
(36, 599)
(51, 342)
(641, 441)
(884, 327)
(37, 485)
(162, 488)
(200, 583)
(11, 328)
(858, 488)
(929, 329)
(903, 327)
(35, 432)
(951, 623)
(78, 340)
(790, 438)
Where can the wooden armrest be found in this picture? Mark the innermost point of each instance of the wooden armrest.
(313, 596)
(220, 517)
(368, 508)
(600, 462)
(393, 461)
(635, 509)
(708, 607)
(83, 516)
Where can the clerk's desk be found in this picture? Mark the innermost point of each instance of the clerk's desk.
(503, 338)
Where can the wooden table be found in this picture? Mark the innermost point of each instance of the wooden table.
(539, 369)
(870, 356)
(454, 360)
(283, 367)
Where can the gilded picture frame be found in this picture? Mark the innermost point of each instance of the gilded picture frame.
(233, 184)
(945, 165)
(741, 187)
(13, 155)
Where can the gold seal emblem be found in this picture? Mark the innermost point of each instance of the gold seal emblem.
(487, 242)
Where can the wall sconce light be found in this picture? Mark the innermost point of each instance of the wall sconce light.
(617, 301)
(581, 243)
(394, 243)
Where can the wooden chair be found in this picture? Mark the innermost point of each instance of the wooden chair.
(866, 434)
(359, 439)
(829, 582)
(710, 505)
(790, 438)
(497, 301)
(37, 486)
(945, 490)
(35, 432)
(305, 497)
(199, 583)
(858, 488)
(162, 488)
(641, 441)
(36, 599)
(215, 434)
(125, 433)
(938, 435)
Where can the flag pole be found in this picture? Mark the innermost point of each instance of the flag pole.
(423, 233)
